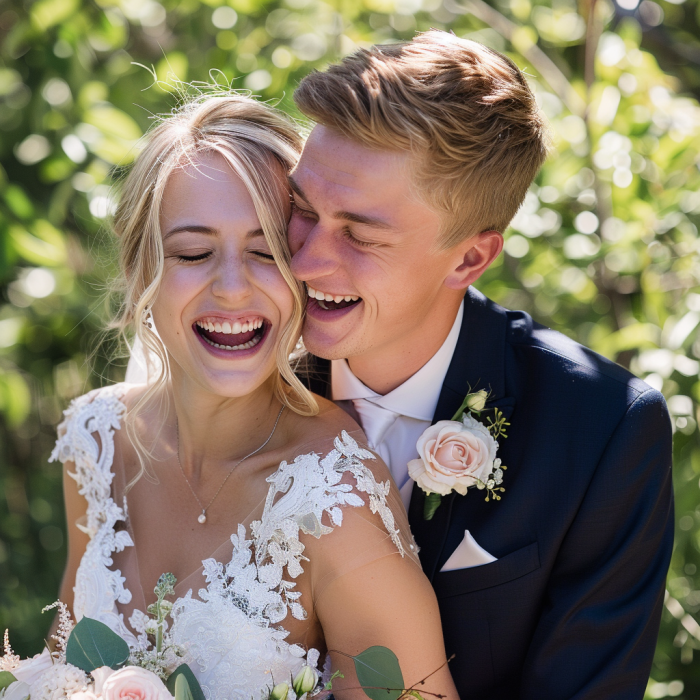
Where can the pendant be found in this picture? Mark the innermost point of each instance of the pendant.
(202, 518)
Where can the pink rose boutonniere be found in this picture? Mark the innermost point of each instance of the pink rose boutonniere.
(457, 454)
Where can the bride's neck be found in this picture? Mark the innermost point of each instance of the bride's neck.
(215, 430)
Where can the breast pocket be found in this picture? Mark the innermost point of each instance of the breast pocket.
(515, 565)
(480, 620)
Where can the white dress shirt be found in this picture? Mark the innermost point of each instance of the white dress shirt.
(394, 422)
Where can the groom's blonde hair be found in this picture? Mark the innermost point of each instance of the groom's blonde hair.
(261, 146)
(464, 111)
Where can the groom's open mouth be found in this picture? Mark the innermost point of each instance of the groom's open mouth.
(229, 337)
(331, 302)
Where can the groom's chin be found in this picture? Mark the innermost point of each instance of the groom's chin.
(320, 341)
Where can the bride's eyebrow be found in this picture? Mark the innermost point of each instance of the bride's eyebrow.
(192, 228)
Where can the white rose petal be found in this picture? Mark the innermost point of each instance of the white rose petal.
(15, 691)
(30, 669)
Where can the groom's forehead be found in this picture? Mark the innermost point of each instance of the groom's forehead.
(335, 162)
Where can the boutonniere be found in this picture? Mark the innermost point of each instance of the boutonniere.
(457, 454)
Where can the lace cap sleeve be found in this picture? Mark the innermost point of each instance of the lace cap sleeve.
(86, 439)
(329, 512)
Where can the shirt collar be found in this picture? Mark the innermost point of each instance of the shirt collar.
(418, 396)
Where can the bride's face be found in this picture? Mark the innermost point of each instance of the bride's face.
(222, 303)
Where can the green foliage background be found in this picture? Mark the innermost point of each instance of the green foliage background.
(604, 249)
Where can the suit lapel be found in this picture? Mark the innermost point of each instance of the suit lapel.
(478, 363)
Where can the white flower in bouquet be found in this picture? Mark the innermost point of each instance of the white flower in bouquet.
(29, 670)
(58, 682)
(15, 691)
(134, 683)
(305, 681)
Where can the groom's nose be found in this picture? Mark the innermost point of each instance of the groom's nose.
(314, 253)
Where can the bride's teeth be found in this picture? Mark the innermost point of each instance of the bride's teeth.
(217, 327)
(226, 327)
(328, 297)
(237, 327)
(338, 299)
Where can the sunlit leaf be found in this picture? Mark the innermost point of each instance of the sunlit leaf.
(92, 644)
(379, 673)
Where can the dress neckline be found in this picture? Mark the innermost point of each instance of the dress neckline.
(310, 487)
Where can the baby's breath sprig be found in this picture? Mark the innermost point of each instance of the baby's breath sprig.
(65, 627)
(9, 661)
(497, 425)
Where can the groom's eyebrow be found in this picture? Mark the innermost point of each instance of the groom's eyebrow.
(345, 215)
(296, 188)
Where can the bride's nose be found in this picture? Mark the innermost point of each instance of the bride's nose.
(231, 282)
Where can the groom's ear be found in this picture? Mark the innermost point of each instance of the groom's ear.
(472, 258)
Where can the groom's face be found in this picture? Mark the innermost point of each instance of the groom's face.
(366, 247)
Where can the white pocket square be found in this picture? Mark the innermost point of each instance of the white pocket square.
(467, 555)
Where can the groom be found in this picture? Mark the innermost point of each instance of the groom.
(420, 157)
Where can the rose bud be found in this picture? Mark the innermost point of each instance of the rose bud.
(305, 680)
(279, 692)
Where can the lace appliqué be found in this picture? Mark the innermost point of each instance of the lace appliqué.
(97, 587)
(312, 486)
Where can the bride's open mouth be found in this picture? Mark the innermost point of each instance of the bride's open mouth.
(232, 336)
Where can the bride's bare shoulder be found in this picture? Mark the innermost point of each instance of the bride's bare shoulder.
(328, 423)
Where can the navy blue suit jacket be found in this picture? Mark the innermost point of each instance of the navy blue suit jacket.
(583, 533)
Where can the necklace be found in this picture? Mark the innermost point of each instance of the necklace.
(203, 517)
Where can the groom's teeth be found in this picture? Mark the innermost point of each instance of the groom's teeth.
(226, 327)
(324, 296)
(217, 327)
(236, 327)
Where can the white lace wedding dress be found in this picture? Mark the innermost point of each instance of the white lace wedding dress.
(234, 628)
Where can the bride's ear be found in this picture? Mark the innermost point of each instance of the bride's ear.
(472, 258)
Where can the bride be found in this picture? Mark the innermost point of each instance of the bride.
(287, 538)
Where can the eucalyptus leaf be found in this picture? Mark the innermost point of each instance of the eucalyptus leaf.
(182, 688)
(6, 679)
(92, 644)
(379, 673)
(193, 688)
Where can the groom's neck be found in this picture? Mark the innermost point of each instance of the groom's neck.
(384, 368)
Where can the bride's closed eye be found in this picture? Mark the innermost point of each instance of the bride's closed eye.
(263, 255)
(193, 258)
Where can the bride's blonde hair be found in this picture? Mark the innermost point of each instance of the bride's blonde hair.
(261, 146)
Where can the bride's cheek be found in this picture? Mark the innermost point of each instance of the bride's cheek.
(273, 284)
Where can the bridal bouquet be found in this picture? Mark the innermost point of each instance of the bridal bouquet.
(91, 662)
